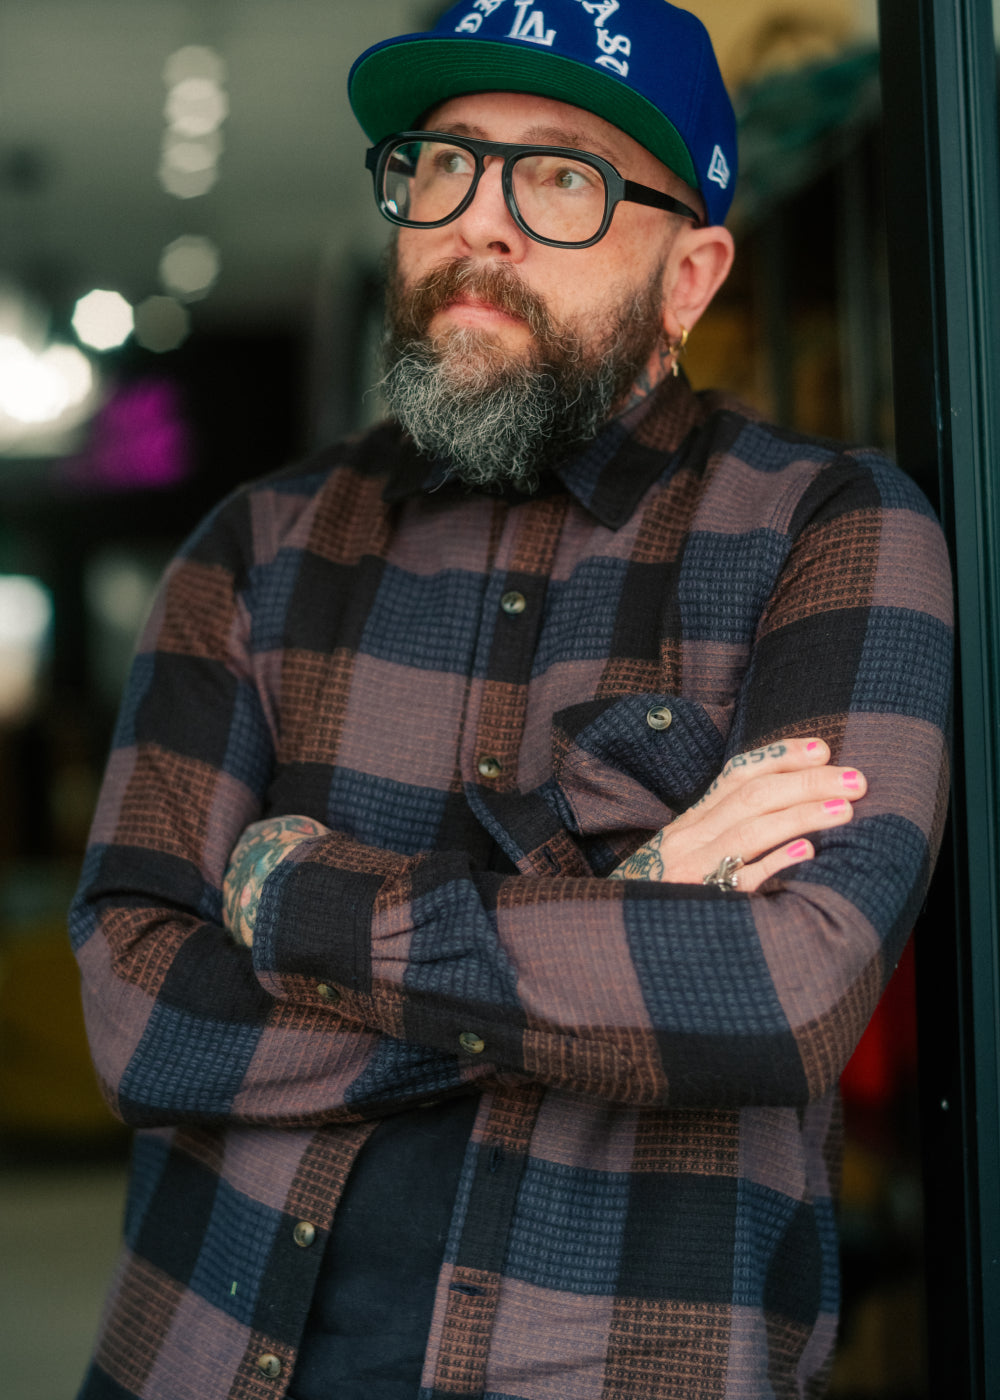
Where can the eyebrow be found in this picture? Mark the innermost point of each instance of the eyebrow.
(541, 136)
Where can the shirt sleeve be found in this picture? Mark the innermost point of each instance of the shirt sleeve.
(180, 1025)
(378, 979)
(684, 995)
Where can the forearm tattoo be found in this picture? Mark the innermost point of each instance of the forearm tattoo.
(644, 864)
(261, 847)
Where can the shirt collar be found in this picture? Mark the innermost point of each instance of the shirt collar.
(608, 477)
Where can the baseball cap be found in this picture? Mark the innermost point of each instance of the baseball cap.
(646, 66)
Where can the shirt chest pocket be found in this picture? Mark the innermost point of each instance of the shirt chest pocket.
(635, 762)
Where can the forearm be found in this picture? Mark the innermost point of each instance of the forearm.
(181, 1026)
(181, 1029)
(642, 991)
(626, 991)
(259, 850)
(181, 1023)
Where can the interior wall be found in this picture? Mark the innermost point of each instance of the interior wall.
(764, 34)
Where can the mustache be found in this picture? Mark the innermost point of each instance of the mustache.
(499, 285)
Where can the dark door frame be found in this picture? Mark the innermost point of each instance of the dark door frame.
(942, 183)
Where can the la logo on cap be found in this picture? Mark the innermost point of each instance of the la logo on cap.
(719, 171)
(531, 27)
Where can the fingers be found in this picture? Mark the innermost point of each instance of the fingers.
(739, 799)
(762, 808)
(784, 756)
(765, 817)
(751, 877)
(774, 841)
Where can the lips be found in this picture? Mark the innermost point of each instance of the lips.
(478, 308)
(469, 295)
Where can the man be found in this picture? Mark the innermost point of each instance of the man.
(516, 812)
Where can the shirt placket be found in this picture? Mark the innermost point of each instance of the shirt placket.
(511, 622)
(510, 625)
(470, 1285)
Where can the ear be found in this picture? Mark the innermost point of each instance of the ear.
(698, 264)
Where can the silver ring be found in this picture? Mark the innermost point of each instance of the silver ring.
(724, 875)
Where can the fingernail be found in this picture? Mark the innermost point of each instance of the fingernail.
(812, 746)
(836, 804)
(799, 850)
(851, 779)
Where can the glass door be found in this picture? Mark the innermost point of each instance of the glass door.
(939, 79)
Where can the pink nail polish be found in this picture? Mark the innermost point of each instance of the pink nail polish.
(799, 850)
(836, 804)
(851, 779)
(812, 746)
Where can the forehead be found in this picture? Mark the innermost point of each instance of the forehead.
(542, 121)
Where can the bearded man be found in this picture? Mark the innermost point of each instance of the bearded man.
(516, 811)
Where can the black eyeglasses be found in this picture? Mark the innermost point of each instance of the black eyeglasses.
(556, 195)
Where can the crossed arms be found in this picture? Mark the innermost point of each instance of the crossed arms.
(762, 806)
(372, 973)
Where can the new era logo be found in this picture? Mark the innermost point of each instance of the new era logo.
(719, 171)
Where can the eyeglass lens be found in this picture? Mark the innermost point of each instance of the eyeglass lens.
(558, 197)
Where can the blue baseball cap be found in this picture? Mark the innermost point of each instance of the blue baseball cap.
(644, 65)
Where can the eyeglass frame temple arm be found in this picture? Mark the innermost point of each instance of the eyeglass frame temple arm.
(656, 199)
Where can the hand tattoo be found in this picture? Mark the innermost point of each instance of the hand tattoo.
(741, 760)
(262, 846)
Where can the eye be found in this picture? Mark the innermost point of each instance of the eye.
(452, 160)
(570, 177)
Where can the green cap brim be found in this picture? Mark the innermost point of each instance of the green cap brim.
(394, 86)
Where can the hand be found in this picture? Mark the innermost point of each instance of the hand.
(758, 808)
(262, 846)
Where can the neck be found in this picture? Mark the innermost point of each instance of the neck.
(659, 365)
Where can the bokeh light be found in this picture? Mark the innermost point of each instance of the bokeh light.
(103, 319)
(189, 266)
(190, 155)
(40, 390)
(161, 324)
(196, 106)
(194, 61)
(185, 184)
(25, 623)
(73, 369)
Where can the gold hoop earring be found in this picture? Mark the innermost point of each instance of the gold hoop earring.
(677, 348)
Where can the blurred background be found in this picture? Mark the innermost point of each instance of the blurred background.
(189, 297)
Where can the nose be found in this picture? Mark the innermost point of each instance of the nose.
(487, 228)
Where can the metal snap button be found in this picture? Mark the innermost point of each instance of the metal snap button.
(659, 717)
(471, 1043)
(489, 767)
(327, 993)
(304, 1234)
(269, 1364)
(513, 603)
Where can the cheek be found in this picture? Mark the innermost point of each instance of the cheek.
(593, 287)
(407, 251)
(571, 282)
(417, 251)
(635, 253)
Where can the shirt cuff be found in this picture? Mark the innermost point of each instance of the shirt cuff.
(315, 915)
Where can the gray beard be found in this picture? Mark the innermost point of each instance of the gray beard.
(500, 418)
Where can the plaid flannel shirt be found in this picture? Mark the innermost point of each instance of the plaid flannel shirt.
(647, 1202)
